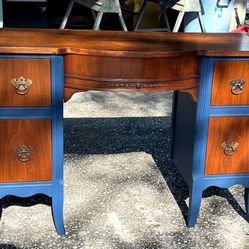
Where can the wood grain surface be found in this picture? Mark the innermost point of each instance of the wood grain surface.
(222, 129)
(129, 74)
(126, 44)
(224, 72)
(16, 133)
(38, 70)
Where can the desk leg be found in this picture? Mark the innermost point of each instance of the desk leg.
(57, 209)
(172, 124)
(57, 142)
(247, 200)
(195, 195)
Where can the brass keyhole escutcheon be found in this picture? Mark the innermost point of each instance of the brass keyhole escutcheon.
(229, 147)
(24, 153)
(237, 86)
(21, 85)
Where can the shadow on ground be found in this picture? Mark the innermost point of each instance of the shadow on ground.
(143, 134)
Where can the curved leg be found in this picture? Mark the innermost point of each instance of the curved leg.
(69, 9)
(195, 196)
(247, 200)
(57, 209)
(121, 19)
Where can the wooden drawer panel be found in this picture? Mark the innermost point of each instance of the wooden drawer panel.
(226, 161)
(37, 70)
(226, 72)
(117, 68)
(19, 133)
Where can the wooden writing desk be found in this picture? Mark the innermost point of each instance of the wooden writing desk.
(208, 72)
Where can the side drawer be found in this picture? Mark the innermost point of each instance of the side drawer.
(25, 150)
(25, 82)
(230, 83)
(227, 146)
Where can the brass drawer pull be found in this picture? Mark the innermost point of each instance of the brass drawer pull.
(229, 147)
(237, 86)
(24, 153)
(21, 85)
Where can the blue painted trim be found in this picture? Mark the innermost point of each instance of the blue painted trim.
(231, 58)
(25, 189)
(54, 188)
(224, 182)
(25, 113)
(203, 109)
(57, 141)
(200, 181)
(57, 117)
(30, 56)
(222, 111)
(227, 176)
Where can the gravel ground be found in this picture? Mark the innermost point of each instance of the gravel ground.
(121, 189)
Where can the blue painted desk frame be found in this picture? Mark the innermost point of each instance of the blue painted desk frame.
(190, 162)
(54, 188)
(189, 132)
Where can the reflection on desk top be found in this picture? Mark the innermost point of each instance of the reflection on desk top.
(124, 44)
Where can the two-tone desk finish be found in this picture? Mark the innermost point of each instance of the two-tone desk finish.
(208, 72)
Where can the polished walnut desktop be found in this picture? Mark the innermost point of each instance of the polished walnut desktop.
(208, 73)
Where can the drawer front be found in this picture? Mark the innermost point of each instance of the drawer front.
(227, 146)
(25, 150)
(230, 83)
(99, 67)
(25, 82)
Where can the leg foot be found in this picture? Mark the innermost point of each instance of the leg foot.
(195, 196)
(247, 200)
(57, 210)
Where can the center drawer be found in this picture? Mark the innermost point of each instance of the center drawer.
(25, 150)
(227, 146)
(25, 82)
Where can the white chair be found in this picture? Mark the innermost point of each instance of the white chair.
(99, 6)
(182, 6)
